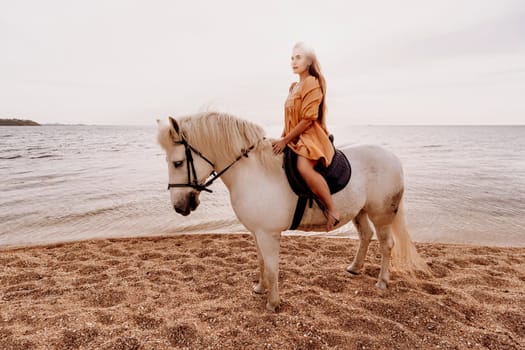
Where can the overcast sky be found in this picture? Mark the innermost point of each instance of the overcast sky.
(386, 62)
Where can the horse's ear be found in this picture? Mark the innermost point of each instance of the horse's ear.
(174, 124)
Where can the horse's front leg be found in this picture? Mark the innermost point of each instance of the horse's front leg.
(259, 288)
(269, 244)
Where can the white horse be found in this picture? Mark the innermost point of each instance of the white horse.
(211, 143)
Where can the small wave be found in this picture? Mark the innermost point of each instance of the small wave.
(11, 157)
(211, 225)
(28, 185)
(432, 146)
(17, 216)
(21, 172)
(44, 156)
(68, 218)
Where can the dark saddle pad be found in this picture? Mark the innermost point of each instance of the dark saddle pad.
(337, 176)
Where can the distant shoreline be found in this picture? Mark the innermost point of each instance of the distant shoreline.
(25, 122)
(18, 122)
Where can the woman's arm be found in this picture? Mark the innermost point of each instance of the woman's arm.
(279, 145)
(298, 130)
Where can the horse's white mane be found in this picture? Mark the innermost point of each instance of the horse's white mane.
(221, 136)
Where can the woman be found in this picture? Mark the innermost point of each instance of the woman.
(305, 127)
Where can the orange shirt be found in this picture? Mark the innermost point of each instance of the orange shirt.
(303, 103)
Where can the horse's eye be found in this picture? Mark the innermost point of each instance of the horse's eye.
(178, 164)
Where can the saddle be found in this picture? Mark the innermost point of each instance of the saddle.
(337, 176)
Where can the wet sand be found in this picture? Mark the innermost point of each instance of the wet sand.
(194, 292)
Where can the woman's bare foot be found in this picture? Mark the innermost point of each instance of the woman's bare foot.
(333, 220)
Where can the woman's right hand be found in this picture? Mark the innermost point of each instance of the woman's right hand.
(278, 145)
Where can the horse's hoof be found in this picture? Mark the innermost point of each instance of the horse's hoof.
(381, 285)
(352, 270)
(271, 308)
(258, 289)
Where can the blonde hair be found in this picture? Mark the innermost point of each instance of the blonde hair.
(315, 70)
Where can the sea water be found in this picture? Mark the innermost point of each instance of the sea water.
(464, 184)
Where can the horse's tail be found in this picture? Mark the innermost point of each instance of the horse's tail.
(404, 254)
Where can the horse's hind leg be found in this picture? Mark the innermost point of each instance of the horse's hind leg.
(386, 242)
(259, 288)
(365, 235)
(269, 249)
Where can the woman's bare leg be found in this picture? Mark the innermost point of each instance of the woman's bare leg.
(319, 187)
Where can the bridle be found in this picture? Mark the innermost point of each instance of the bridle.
(190, 167)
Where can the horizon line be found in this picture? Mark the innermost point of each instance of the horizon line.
(278, 125)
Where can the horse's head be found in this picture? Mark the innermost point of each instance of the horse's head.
(186, 169)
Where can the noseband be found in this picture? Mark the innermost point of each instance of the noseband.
(190, 167)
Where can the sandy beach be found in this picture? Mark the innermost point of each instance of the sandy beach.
(194, 292)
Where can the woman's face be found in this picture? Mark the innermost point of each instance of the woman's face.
(300, 62)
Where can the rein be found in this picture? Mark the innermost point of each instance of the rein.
(190, 167)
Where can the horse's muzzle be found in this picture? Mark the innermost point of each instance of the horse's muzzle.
(190, 203)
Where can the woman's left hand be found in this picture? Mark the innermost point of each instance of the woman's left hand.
(278, 146)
